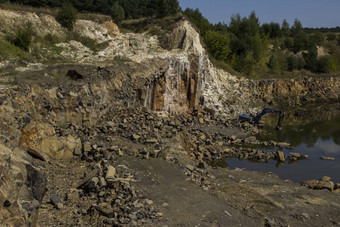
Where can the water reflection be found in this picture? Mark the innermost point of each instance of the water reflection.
(312, 131)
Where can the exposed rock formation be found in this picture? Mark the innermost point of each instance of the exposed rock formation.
(22, 187)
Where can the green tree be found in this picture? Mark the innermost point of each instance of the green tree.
(117, 13)
(295, 63)
(67, 16)
(323, 65)
(296, 28)
(285, 28)
(273, 63)
(331, 36)
(168, 7)
(196, 17)
(218, 44)
(311, 58)
(317, 38)
(301, 41)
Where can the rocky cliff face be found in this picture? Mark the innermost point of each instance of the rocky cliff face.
(297, 90)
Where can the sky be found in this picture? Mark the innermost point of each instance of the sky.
(311, 13)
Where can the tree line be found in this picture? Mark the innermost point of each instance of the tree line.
(119, 9)
(244, 43)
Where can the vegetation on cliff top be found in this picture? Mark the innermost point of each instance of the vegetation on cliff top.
(245, 45)
(270, 48)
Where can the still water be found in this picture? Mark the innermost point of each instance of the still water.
(311, 130)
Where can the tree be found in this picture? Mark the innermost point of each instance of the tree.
(218, 44)
(296, 28)
(317, 38)
(331, 36)
(285, 28)
(168, 7)
(301, 41)
(273, 63)
(323, 65)
(196, 17)
(272, 29)
(67, 16)
(295, 63)
(117, 13)
(311, 58)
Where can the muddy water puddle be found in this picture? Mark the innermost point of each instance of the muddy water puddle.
(311, 130)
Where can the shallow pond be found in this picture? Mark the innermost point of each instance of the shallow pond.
(312, 130)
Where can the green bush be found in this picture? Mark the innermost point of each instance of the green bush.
(51, 39)
(22, 38)
(295, 63)
(67, 16)
(273, 63)
(317, 38)
(323, 65)
(331, 36)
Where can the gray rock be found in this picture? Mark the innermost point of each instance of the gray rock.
(92, 174)
(77, 152)
(55, 199)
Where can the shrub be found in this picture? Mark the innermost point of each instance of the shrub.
(22, 38)
(323, 65)
(273, 63)
(331, 36)
(317, 38)
(51, 39)
(295, 63)
(67, 16)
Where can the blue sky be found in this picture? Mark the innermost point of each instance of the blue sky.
(311, 13)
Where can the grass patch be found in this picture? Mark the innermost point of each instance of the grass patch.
(121, 59)
(88, 42)
(9, 51)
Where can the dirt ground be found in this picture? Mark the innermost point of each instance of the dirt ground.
(236, 198)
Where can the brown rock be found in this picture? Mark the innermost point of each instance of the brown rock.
(111, 172)
(326, 158)
(326, 185)
(296, 155)
(310, 183)
(326, 178)
(281, 156)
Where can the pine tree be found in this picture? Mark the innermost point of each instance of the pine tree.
(117, 13)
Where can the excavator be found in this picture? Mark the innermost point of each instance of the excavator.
(256, 119)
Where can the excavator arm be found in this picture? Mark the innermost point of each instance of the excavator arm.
(256, 119)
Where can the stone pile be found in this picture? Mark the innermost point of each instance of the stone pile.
(324, 183)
